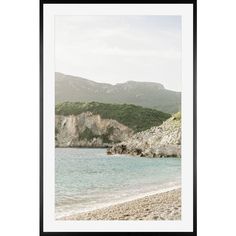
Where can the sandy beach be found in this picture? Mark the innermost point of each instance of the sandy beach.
(161, 206)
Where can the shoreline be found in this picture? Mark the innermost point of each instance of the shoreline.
(163, 204)
(107, 147)
(85, 147)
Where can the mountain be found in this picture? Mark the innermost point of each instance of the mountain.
(159, 141)
(88, 130)
(147, 94)
(135, 117)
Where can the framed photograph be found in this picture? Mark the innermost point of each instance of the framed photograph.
(118, 117)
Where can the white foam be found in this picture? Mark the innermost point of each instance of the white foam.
(127, 199)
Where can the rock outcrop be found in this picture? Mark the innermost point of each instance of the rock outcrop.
(88, 130)
(160, 141)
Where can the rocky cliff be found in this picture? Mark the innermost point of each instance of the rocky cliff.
(136, 118)
(158, 141)
(88, 130)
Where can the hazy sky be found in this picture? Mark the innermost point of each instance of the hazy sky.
(115, 49)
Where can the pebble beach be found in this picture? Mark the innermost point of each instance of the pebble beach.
(160, 206)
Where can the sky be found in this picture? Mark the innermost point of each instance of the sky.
(116, 49)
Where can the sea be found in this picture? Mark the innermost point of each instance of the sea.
(88, 178)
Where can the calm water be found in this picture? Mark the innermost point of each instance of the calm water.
(88, 178)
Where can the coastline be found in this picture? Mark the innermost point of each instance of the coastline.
(83, 147)
(161, 205)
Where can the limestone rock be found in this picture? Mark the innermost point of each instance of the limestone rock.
(159, 141)
(88, 130)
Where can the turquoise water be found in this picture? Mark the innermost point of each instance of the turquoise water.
(87, 179)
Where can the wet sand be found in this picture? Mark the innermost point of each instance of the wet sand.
(161, 206)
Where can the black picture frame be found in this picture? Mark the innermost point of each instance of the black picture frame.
(194, 2)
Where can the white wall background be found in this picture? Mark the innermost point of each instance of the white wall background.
(19, 117)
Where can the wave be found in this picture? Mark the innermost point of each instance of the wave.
(168, 187)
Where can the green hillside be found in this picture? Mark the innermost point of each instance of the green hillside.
(135, 117)
(146, 94)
